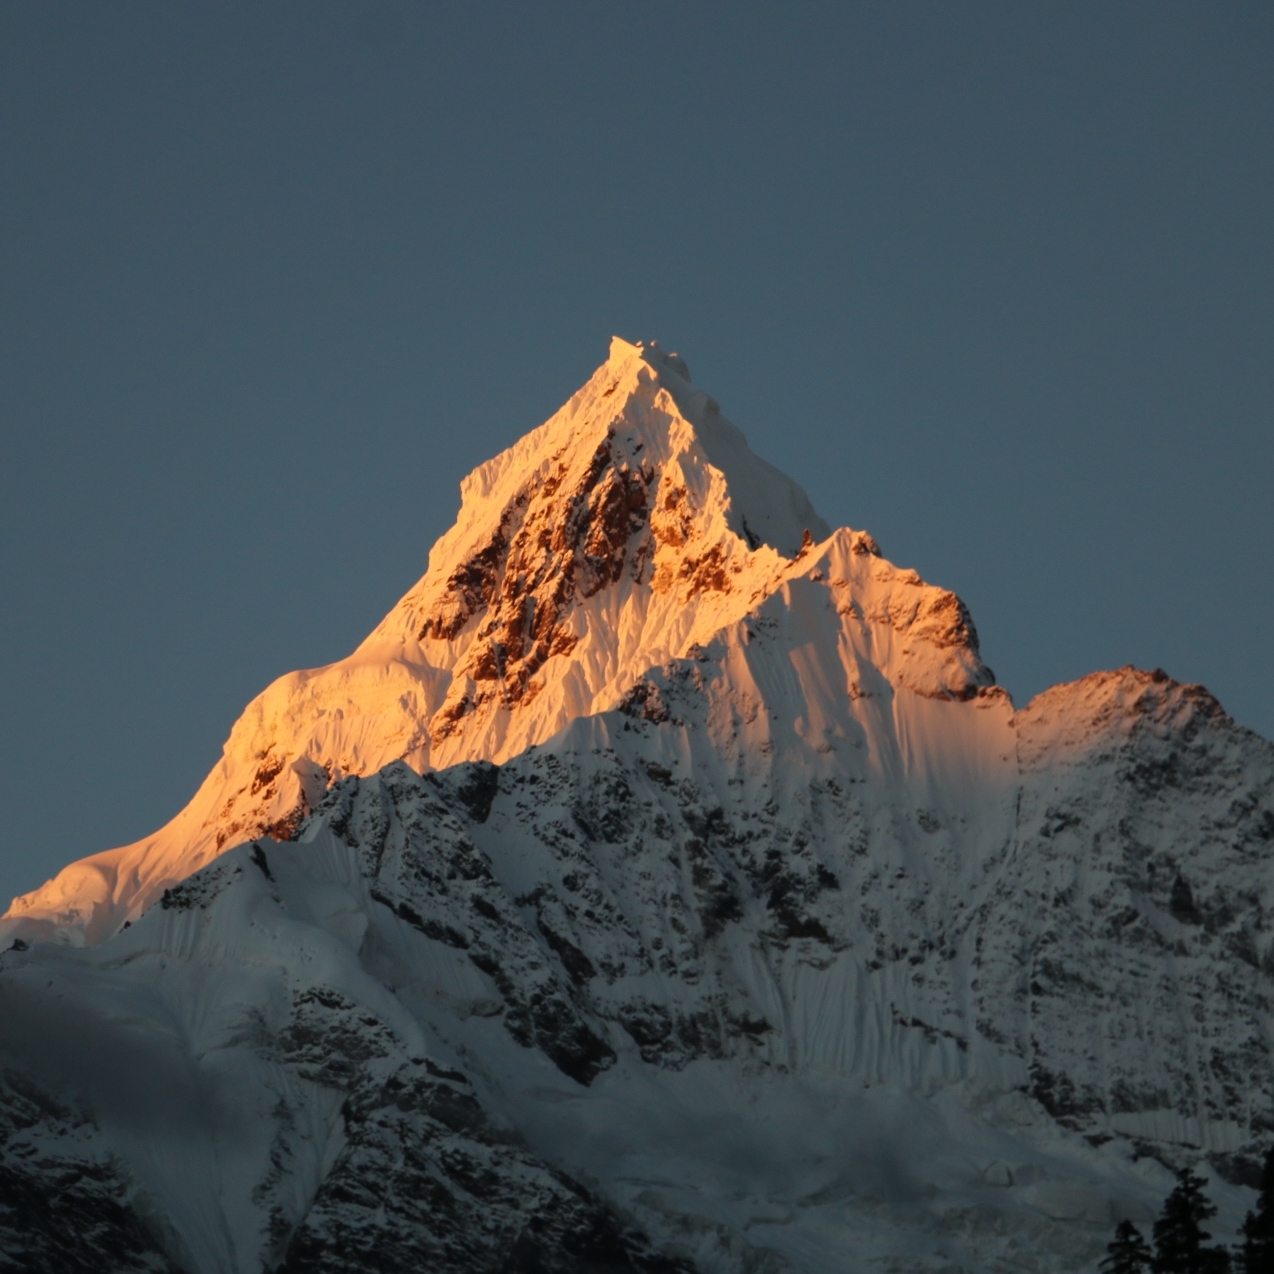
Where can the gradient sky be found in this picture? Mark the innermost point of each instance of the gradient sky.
(992, 281)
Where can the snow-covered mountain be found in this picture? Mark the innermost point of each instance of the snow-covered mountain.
(633, 524)
(664, 885)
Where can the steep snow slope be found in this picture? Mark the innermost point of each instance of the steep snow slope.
(775, 940)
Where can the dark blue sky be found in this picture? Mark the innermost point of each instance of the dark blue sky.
(992, 281)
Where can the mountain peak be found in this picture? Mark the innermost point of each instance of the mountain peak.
(642, 400)
(639, 486)
(626, 533)
(649, 352)
(764, 848)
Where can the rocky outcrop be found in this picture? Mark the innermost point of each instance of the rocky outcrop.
(65, 1205)
(562, 538)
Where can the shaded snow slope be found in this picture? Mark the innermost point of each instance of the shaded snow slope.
(699, 1002)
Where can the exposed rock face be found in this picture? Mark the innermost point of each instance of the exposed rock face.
(365, 1153)
(750, 929)
(64, 1199)
(1144, 843)
(424, 1183)
(559, 540)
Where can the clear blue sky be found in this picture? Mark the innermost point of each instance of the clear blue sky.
(992, 281)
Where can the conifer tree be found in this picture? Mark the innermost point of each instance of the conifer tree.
(1127, 1253)
(1179, 1232)
(1257, 1252)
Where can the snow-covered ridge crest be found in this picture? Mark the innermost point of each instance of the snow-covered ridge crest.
(628, 530)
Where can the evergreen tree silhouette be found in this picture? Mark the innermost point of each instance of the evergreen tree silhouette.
(1257, 1253)
(1127, 1253)
(1179, 1232)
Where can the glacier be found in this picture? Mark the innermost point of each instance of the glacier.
(665, 885)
